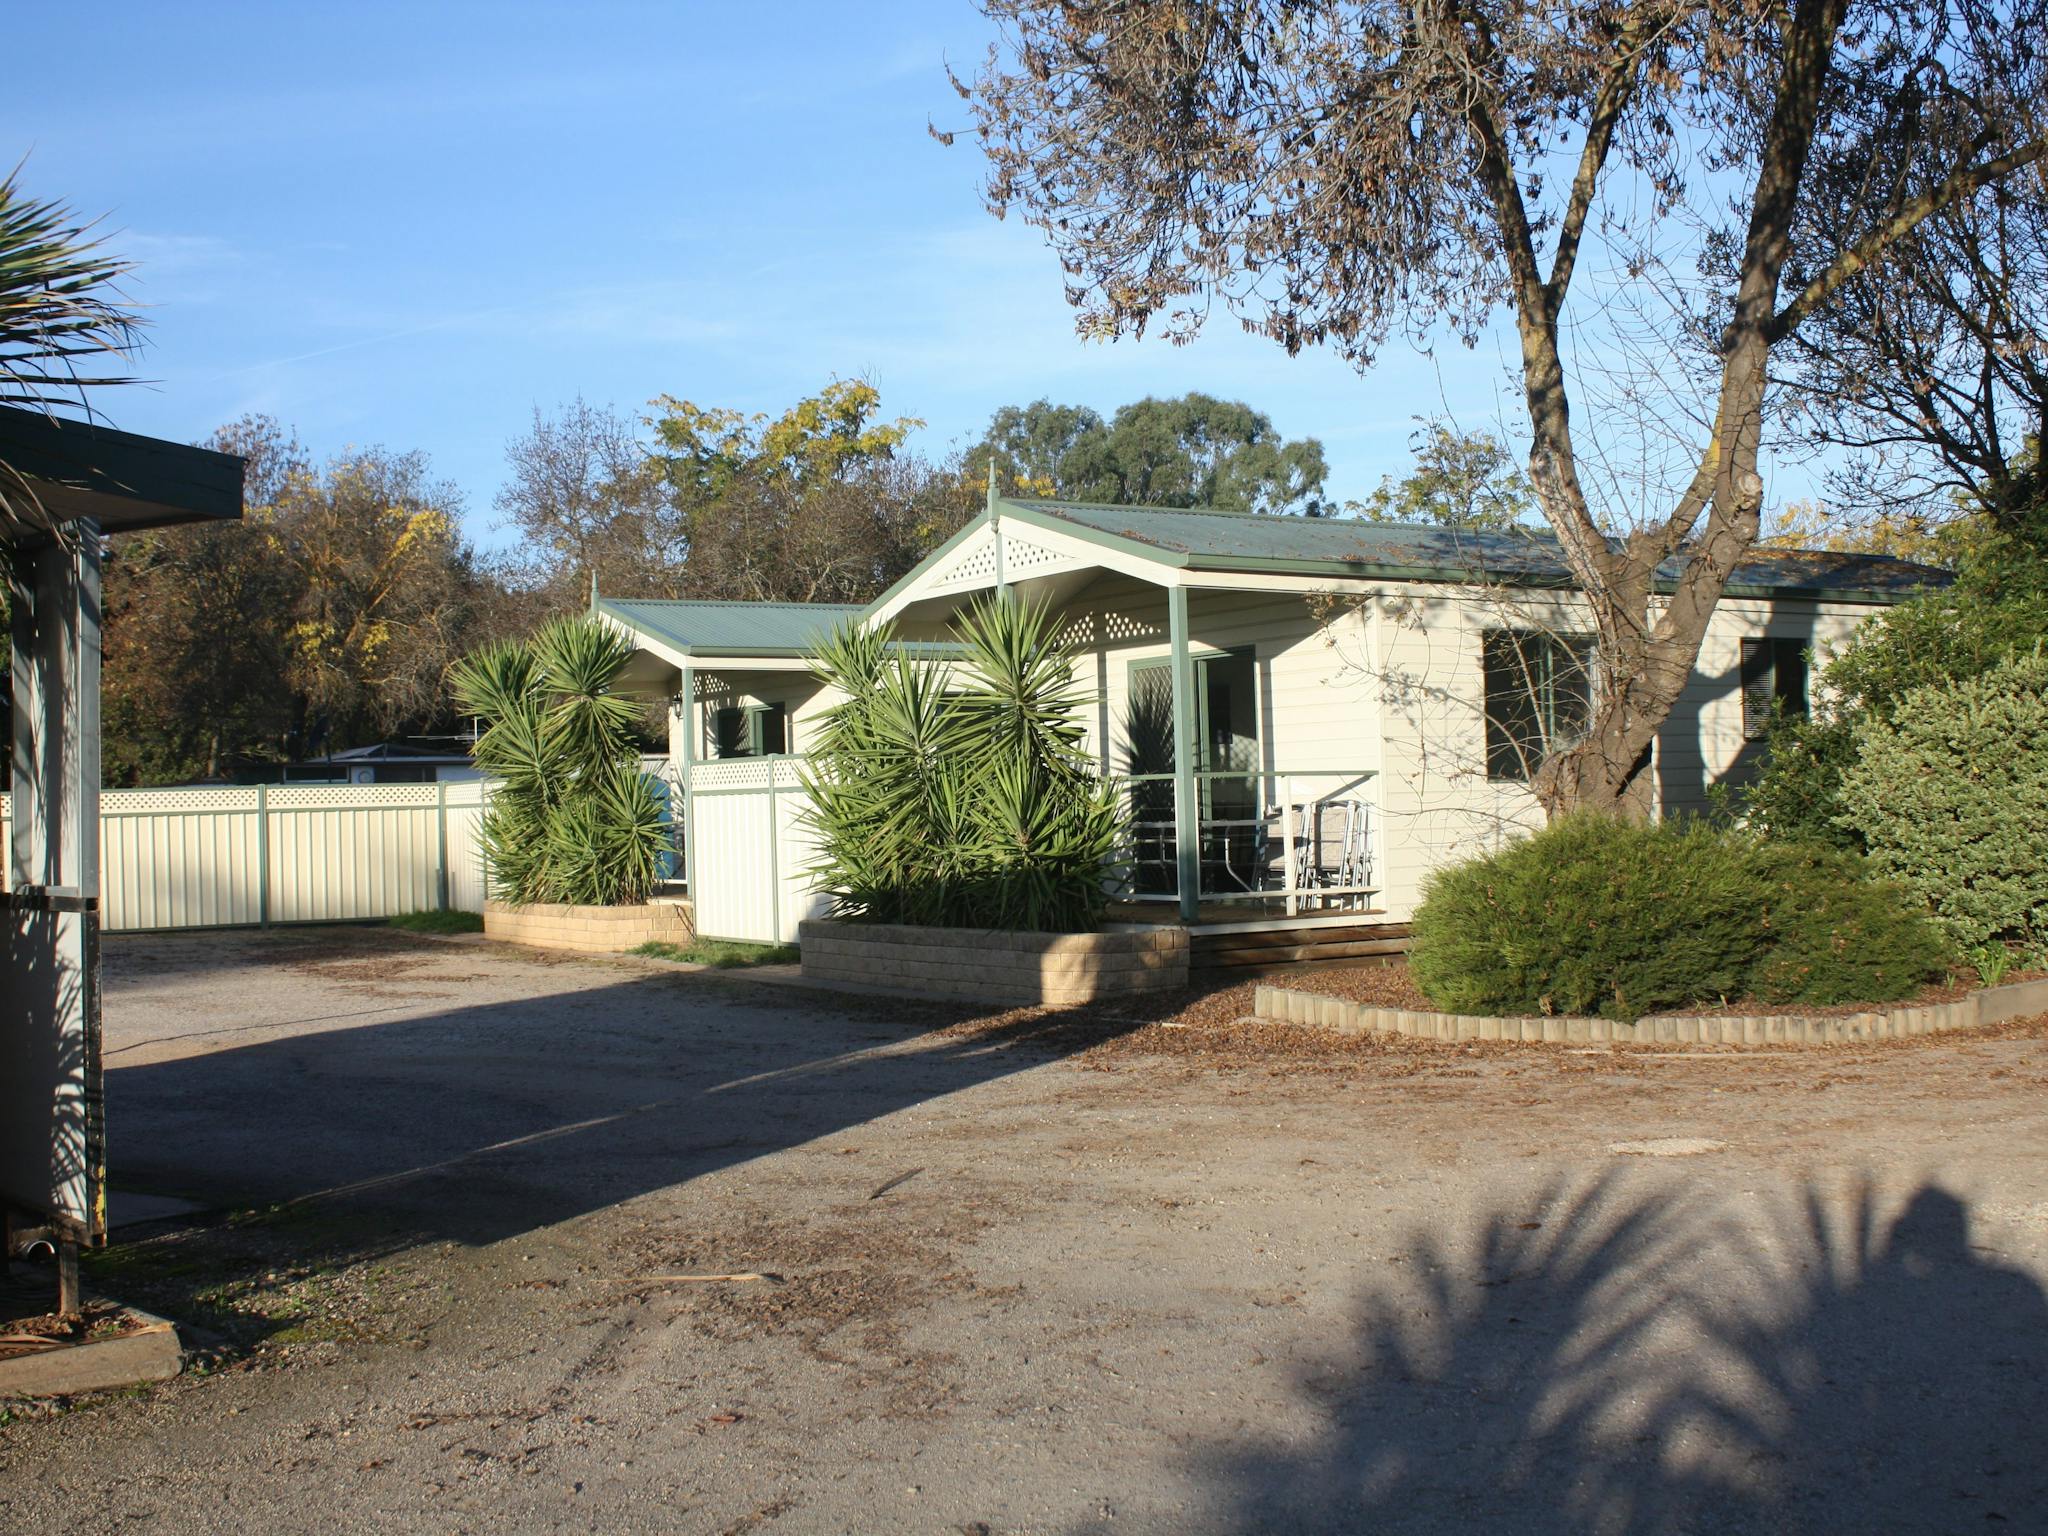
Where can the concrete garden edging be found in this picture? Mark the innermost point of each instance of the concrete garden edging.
(995, 966)
(1992, 1005)
(148, 1350)
(589, 930)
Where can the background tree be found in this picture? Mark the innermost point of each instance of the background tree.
(1192, 451)
(1343, 173)
(1464, 480)
(325, 619)
(372, 542)
(587, 498)
(195, 652)
(819, 504)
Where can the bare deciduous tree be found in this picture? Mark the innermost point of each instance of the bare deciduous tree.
(1342, 173)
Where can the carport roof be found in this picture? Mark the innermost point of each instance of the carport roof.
(693, 628)
(120, 480)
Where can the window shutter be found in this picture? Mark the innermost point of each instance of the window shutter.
(1758, 688)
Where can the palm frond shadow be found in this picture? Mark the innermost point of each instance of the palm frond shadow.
(1649, 1361)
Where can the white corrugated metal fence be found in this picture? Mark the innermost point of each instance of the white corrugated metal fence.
(750, 876)
(297, 853)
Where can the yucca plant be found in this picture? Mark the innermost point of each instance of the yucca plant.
(59, 312)
(961, 795)
(571, 818)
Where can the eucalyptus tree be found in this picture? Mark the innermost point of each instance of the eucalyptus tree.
(1348, 173)
(1193, 450)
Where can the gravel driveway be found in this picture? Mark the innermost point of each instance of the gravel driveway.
(1069, 1274)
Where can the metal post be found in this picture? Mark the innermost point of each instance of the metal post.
(1187, 826)
(262, 855)
(774, 860)
(69, 1302)
(1290, 860)
(441, 842)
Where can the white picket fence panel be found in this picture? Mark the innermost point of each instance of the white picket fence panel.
(749, 876)
(288, 853)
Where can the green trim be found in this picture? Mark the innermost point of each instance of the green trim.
(262, 856)
(441, 844)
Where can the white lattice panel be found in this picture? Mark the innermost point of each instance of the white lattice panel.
(1023, 558)
(976, 565)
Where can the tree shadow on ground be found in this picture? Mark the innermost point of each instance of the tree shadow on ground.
(1660, 1360)
(365, 1135)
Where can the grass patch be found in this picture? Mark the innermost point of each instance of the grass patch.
(439, 922)
(723, 954)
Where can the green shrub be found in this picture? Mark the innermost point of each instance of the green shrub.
(1951, 795)
(1997, 609)
(1590, 915)
(1798, 796)
(1598, 915)
(571, 818)
(962, 797)
(1836, 935)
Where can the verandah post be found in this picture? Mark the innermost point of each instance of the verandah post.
(1187, 827)
(687, 701)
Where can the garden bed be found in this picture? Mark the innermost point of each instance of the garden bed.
(590, 930)
(1387, 1001)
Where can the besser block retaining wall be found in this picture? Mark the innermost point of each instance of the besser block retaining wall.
(996, 966)
(589, 930)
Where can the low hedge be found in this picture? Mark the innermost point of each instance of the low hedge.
(1594, 915)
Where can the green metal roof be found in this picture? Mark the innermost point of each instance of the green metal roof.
(1207, 539)
(731, 629)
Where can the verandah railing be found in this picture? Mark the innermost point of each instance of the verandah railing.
(1303, 840)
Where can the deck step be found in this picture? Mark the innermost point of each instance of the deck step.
(1293, 946)
(1270, 954)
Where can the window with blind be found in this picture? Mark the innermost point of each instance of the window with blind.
(1539, 694)
(1773, 680)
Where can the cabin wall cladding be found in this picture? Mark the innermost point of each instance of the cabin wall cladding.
(299, 853)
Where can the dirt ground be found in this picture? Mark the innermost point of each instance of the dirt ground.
(1073, 1272)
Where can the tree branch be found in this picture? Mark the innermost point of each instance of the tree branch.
(1874, 244)
(1608, 106)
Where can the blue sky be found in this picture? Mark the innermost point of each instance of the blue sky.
(413, 224)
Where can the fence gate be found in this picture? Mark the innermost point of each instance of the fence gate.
(753, 847)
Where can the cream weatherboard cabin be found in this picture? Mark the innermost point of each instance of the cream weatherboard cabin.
(1308, 714)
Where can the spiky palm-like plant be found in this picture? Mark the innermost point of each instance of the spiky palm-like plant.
(59, 314)
(571, 817)
(962, 795)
